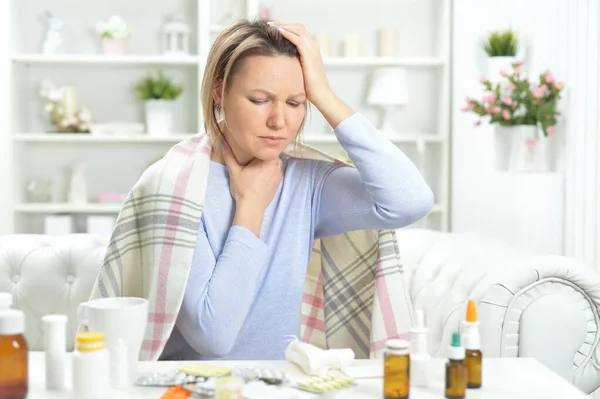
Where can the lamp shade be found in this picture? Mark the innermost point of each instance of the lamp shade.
(388, 87)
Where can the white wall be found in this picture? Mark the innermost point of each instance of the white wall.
(501, 205)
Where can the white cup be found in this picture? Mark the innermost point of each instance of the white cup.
(122, 318)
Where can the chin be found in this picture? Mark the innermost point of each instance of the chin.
(268, 154)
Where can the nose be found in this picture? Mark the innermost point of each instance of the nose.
(276, 119)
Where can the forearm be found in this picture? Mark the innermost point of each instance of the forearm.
(216, 305)
(385, 190)
(332, 108)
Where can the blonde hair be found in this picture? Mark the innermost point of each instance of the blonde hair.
(240, 40)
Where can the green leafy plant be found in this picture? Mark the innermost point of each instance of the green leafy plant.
(157, 87)
(517, 102)
(501, 44)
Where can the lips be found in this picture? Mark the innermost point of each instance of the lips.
(272, 137)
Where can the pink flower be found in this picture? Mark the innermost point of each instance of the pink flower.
(517, 71)
(548, 77)
(530, 143)
(559, 85)
(544, 88)
(502, 72)
(507, 100)
(521, 61)
(471, 105)
(463, 109)
(506, 114)
(511, 87)
(482, 79)
(496, 110)
(468, 99)
(490, 98)
(538, 92)
(550, 130)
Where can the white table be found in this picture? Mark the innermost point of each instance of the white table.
(502, 379)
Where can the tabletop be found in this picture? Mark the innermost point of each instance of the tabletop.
(502, 378)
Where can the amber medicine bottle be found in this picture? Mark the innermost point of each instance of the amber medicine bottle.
(13, 355)
(456, 370)
(471, 342)
(396, 372)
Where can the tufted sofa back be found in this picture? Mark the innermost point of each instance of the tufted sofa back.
(49, 275)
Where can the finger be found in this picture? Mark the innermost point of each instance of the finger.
(230, 161)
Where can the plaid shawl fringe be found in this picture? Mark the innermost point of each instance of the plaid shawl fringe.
(354, 295)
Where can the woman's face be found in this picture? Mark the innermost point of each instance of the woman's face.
(263, 107)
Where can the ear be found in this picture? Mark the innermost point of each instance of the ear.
(216, 93)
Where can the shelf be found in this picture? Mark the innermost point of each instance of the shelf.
(88, 138)
(51, 208)
(134, 59)
(330, 138)
(82, 59)
(383, 61)
(67, 208)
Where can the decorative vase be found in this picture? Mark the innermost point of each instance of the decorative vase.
(520, 148)
(497, 64)
(115, 46)
(159, 117)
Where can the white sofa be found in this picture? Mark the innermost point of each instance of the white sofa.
(531, 306)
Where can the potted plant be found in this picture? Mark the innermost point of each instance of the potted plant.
(501, 48)
(114, 35)
(523, 112)
(158, 93)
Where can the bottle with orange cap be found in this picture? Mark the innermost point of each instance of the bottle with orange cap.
(472, 344)
(91, 367)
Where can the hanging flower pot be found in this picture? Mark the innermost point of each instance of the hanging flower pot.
(520, 149)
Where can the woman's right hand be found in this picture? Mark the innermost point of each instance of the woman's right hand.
(253, 187)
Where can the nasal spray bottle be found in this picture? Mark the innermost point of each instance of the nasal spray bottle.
(419, 355)
(472, 344)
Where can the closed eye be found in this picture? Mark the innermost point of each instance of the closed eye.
(293, 104)
(255, 101)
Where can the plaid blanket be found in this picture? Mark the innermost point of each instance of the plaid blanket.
(354, 295)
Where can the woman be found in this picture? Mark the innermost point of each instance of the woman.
(263, 209)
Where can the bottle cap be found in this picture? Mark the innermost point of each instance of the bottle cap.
(419, 322)
(457, 352)
(471, 311)
(6, 300)
(397, 344)
(12, 322)
(90, 341)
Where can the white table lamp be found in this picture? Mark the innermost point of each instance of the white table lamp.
(388, 90)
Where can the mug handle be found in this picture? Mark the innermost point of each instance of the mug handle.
(82, 314)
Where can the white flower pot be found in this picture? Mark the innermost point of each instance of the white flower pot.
(520, 148)
(497, 64)
(159, 117)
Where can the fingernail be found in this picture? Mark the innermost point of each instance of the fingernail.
(280, 29)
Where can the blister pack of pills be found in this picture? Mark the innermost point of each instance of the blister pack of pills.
(166, 379)
(326, 383)
(268, 376)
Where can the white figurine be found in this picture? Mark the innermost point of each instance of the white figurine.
(77, 184)
(53, 39)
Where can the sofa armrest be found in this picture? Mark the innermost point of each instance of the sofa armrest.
(529, 305)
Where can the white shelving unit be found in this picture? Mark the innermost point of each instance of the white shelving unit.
(28, 151)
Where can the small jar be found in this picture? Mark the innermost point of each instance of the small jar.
(13, 355)
(91, 367)
(396, 377)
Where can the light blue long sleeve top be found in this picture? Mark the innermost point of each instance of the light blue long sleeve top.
(244, 294)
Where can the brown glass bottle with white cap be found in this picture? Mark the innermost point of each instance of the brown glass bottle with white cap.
(396, 374)
(13, 355)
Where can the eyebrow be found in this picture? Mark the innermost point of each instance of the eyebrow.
(271, 94)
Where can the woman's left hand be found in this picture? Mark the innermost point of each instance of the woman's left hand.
(315, 78)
